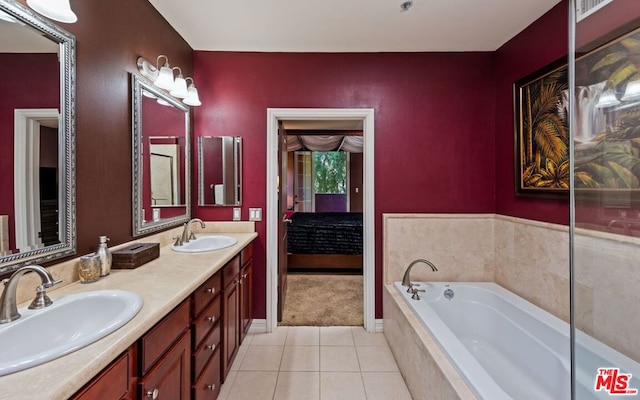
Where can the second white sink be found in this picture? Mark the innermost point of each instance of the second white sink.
(70, 323)
(206, 243)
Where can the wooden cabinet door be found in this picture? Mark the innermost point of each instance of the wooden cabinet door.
(230, 325)
(246, 298)
(116, 382)
(170, 377)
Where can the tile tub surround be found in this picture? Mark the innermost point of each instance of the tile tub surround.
(163, 284)
(607, 296)
(425, 368)
(529, 258)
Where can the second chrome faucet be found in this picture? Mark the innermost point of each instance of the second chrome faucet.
(187, 233)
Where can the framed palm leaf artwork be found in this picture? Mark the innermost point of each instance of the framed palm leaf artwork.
(542, 133)
(606, 134)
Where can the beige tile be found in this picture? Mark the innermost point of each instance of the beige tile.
(338, 358)
(336, 336)
(242, 351)
(364, 338)
(248, 339)
(276, 338)
(226, 386)
(341, 386)
(303, 336)
(384, 386)
(301, 358)
(262, 358)
(251, 385)
(297, 386)
(376, 358)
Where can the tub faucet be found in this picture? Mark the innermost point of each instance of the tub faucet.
(406, 281)
(187, 233)
(8, 308)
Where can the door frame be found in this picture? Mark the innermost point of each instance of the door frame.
(368, 270)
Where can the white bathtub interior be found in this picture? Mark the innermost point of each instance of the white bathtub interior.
(507, 348)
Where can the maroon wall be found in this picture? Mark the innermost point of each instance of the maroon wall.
(434, 126)
(25, 74)
(110, 35)
(543, 42)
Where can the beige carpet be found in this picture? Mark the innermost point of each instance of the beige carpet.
(323, 300)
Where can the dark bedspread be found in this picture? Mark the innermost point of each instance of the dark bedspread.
(325, 233)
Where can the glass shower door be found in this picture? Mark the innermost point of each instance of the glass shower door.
(605, 193)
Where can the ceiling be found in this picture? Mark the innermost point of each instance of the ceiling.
(350, 25)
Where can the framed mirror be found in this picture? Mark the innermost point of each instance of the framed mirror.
(219, 171)
(37, 139)
(160, 159)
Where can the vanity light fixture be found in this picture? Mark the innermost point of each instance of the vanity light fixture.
(632, 91)
(607, 99)
(179, 85)
(58, 10)
(162, 77)
(192, 98)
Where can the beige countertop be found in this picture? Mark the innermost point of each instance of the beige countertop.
(162, 283)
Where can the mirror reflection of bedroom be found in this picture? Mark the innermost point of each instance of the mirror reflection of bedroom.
(324, 238)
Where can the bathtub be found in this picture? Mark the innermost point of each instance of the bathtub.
(506, 348)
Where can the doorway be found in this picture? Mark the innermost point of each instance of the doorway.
(274, 117)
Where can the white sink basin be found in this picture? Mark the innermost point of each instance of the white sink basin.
(70, 323)
(206, 243)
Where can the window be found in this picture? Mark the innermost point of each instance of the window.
(330, 169)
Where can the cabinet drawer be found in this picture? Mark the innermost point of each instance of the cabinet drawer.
(205, 322)
(208, 386)
(160, 337)
(114, 382)
(209, 346)
(231, 271)
(246, 254)
(206, 292)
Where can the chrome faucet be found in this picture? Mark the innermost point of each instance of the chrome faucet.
(187, 233)
(8, 307)
(406, 281)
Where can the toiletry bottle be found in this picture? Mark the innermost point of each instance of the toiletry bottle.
(105, 256)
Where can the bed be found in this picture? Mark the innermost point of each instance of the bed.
(325, 240)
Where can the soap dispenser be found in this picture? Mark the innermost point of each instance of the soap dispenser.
(105, 256)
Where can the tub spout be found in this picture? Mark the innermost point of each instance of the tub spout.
(406, 280)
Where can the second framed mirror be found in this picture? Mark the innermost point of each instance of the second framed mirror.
(219, 171)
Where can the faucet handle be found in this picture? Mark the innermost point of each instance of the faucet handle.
(410, 289)
(192, 235)
(178, 241)
(415, 295)
(49, 284)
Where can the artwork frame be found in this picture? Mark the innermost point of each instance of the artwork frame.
(606, 135)
(542, 132)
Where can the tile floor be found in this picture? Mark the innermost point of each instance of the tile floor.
(314, 363)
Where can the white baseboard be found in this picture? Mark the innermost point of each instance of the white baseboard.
(258, 326)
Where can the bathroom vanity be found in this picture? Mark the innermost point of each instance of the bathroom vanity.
(196, 312)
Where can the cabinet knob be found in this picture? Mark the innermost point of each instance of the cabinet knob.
(153, 394)
(211, 347)
(210, 290)
(211, 387)
(244, 276)
(211, 318)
